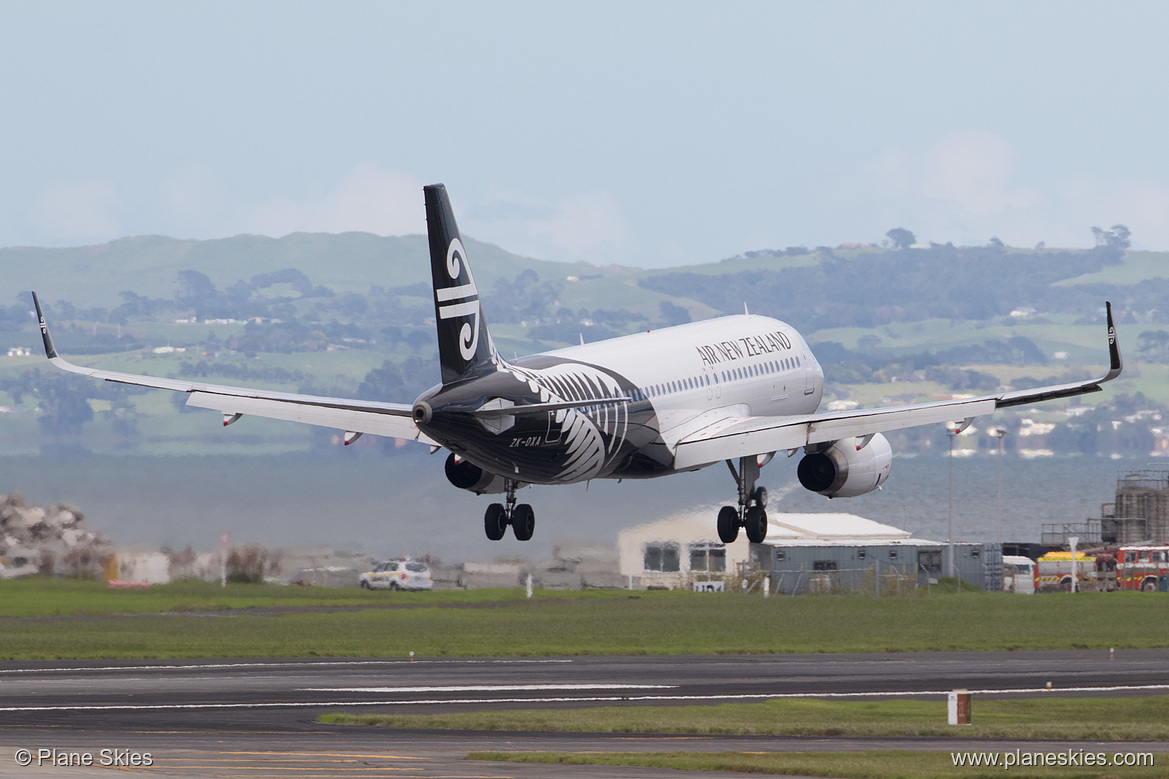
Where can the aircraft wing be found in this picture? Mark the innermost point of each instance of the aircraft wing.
(731, 437)
(353, 416)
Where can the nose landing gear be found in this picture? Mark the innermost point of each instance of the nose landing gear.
(522, 518)
(751, 514)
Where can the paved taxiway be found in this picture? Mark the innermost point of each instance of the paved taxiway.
(257, 717)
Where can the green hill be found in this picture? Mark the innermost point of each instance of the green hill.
(89, 276)
(351, 314)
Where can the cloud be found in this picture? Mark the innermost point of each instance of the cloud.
(972, 170)
(192, 194)
(965, 188)
(965, 175)
(589, 226)
(1139, 204)
(367, 199)
(77, 210)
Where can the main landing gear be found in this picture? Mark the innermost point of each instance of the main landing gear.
(521, 518)
(751, 514)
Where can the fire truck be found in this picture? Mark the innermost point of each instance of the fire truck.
(1141, 567)
(1096, 571)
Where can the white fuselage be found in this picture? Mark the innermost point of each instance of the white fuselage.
(756, 363)
(671, 382)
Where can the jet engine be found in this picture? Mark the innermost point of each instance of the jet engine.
(848, 468)
(465, 475)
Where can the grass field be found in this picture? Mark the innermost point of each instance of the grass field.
(1088, 719)
(892, 764)
(44, 619)
(50, 597)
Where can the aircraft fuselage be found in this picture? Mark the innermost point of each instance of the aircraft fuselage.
(755, 364)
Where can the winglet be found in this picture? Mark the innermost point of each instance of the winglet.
(1116, 365)
(50, 350)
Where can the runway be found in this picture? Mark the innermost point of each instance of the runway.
(258, 717)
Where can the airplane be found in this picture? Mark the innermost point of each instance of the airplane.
(734, 389)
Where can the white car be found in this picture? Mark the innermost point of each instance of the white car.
(397, 575)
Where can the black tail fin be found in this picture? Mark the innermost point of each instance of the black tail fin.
(464, 345)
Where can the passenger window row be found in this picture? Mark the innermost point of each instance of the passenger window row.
(734, 374)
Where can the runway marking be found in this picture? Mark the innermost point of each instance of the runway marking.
(495, 688)
(310, 664)
(582, 699)
(325, 754)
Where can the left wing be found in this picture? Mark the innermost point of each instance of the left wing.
(731, 437)
(355, 417)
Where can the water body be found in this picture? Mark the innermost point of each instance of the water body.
(403, 504)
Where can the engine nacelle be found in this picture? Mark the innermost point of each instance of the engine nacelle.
(465, 475)
(844, 471)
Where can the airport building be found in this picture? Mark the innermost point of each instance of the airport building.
(835, 552)
(1139, 514)
(803, 553)
(680, 551)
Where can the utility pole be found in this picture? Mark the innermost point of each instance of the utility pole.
(999, 433)
(952, 432)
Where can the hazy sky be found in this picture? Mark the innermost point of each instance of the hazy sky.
(644, 133)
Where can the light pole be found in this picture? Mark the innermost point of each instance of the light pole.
(1072, 542)
(999, 433)
(952, 430)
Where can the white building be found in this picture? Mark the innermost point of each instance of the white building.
(802, 552)
(678, 551)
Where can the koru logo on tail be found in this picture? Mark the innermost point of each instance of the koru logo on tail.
(460, 301)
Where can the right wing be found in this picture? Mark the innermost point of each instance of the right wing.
(355, 417)
(730, 436)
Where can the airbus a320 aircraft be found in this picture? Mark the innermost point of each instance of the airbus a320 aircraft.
(736, 389)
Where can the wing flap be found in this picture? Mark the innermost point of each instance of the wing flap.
(730, 438)
(350, 418)
(352, 415)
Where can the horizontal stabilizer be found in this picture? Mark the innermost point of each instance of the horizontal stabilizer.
(539, 408)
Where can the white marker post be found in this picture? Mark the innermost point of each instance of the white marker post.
(958, 707)
(223, 541)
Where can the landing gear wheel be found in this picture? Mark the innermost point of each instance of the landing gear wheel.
(728, 524)
(755, 524)
(523, 522)
(495, 521)
(750, 513)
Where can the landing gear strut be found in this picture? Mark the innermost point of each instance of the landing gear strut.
(750, 514)
(521, 518)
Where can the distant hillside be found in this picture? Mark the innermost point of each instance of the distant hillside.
(90, 276)
(351, 315)
(945, 282)
(813, 289)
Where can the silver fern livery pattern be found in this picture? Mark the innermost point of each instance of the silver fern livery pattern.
(591, 436)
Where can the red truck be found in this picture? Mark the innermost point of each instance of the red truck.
(1141, 567)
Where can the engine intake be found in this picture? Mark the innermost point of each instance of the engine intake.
(844, 471)
(465, 475)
